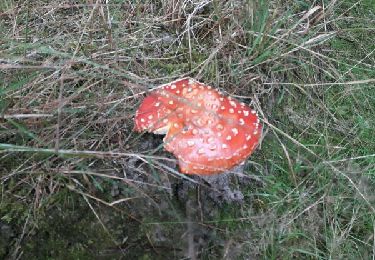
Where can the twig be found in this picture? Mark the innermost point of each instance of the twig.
(99, 154)
(21, 116)
(355, 82)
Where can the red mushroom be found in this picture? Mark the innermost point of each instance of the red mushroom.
(208, 132)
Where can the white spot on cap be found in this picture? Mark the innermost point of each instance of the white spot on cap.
(210, 139)
(248, 137)
(222, 107)
(179, 115)
(201, 150)
(170, 102)
(150, 117)
(143, 120)
(256, 132)
(165, 120)
(232, 103)
(176, 125)
(173, 86)
(199, 104)
(245, 146)
(189, 90)
(229, 138)
(235, 131)
(190, 143)
(193, 111)
(242, 122)
(219, 127)
(212, 146)
(221, 99)
(177, 92)
(224, 146)
(195, 131)
(253, 111)
(157, 104)
(198, 122)
(246, 113)
(209, 87)
(231, 110)
(168, 111)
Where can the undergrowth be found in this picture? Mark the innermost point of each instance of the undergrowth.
(78, 182)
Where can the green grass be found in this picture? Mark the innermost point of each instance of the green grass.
(71, 79)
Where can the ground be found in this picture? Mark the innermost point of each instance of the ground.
(78, 183)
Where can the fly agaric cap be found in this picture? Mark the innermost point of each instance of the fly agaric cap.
(208, 132)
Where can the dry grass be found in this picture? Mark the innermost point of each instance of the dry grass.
(74, 72)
